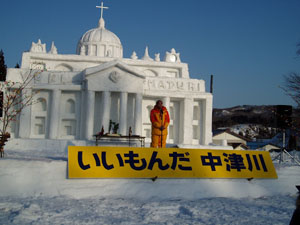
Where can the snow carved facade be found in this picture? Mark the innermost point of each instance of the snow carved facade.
(83, 92)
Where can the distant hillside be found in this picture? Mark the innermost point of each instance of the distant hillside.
(246, 114)
(260, 120)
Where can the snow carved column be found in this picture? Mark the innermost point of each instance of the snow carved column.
(89, 119)
(106, 103)
(54, 114)
(187, 121)
(138, 114)
(123, 113)
(166, 102)
(207, 129)
(82, 115)
(25, 118)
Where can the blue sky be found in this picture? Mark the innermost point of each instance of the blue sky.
(248, 45)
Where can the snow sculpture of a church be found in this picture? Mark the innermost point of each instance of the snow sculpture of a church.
(83, 92)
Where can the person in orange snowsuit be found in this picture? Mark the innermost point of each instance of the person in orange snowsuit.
(160, 120)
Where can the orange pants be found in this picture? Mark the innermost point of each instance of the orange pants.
(156, 141)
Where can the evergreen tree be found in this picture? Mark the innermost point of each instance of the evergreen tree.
(2, 67)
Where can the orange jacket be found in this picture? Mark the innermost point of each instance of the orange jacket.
(159, 119)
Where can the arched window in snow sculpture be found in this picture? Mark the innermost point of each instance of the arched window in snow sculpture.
(149, 108)
(196, 113)
(70, 106)
(41, 105)
(172, 113)
(39, 117)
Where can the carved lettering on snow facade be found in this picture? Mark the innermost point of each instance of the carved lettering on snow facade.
(173, 85)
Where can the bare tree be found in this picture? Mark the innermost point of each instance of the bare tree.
(14, 96)
(292, 86)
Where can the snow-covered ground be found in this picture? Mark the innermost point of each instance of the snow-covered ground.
(35, 190)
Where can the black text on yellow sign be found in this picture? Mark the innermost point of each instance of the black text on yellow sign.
(130, 162)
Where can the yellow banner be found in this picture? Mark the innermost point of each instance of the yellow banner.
(132, 162)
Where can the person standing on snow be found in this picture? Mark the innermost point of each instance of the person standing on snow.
(160, 120)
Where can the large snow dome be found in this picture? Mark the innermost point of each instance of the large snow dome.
(100, 42)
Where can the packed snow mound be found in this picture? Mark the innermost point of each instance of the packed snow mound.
(35, 189)
(32, 176)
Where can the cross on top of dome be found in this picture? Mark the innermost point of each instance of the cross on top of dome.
(101, 7)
